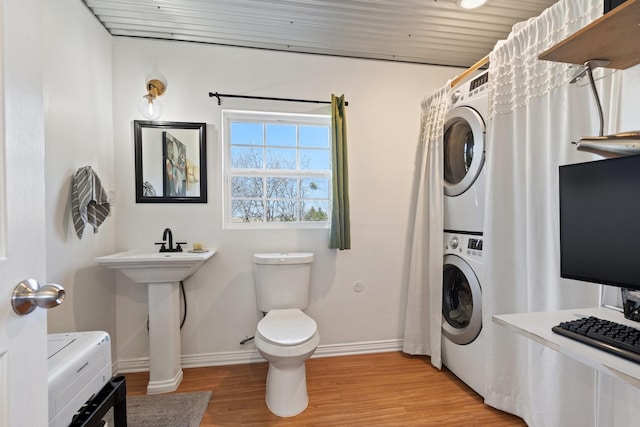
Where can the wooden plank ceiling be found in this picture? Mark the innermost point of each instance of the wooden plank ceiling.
(419, 31)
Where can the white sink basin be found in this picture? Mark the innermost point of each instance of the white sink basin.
(156, 267)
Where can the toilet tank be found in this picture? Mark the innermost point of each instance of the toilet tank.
(282, 280)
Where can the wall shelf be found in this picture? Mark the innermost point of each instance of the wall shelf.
(614, 37)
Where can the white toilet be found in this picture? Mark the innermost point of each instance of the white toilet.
(285, 337)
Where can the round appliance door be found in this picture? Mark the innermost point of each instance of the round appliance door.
(463, 147)
(461, 301)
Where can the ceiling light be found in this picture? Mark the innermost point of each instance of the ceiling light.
(149, 105)
(471, 4)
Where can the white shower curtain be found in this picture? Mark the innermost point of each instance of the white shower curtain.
(423, 318)
(534, 115)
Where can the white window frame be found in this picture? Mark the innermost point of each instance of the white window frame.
(229, 116)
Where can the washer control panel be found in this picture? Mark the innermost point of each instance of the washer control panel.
(471, 89)
(463, 244)
(475, 245)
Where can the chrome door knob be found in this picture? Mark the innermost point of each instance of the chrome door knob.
(28, 295)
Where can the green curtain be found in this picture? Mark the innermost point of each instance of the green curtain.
(340, 236)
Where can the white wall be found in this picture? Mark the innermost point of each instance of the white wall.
(383, 119)
(78, 132)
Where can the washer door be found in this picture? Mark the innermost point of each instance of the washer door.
(463, 146)
(461, 301)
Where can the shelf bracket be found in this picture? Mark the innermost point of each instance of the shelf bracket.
(587, 69)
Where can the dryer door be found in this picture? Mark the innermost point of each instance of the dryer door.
(463, 145)
(461, 301)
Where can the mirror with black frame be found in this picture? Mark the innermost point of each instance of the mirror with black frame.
(170, 159)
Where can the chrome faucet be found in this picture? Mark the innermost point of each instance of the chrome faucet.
(167, 238)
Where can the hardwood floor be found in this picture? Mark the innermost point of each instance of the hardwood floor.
(383, 389)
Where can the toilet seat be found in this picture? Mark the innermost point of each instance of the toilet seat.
(289, 327)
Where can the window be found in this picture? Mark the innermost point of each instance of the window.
(277, 170)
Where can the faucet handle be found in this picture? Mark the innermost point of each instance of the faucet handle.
(163, 248)
(178, 247)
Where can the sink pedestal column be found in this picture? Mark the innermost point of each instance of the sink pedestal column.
(165, 370)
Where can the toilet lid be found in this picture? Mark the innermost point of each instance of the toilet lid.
(287, 327)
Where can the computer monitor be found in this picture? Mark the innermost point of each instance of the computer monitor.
(600, 221)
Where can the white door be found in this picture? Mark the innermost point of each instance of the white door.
(23, 342)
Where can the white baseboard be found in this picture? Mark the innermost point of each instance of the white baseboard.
(133, 365)
(252, 356)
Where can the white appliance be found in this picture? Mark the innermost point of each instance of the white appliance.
(464, 156)
(463, 349)
(79, 366)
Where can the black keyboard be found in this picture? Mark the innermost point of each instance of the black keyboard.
(621, 340)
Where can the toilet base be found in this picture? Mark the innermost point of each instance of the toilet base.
(286, 394)
(286, 389)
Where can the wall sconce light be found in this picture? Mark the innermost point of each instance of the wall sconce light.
(149, 105)
(471, 4)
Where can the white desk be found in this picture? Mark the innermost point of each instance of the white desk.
(537, 326)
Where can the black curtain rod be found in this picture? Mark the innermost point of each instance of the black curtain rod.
(268, 98)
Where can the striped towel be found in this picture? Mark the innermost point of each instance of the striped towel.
(89, 202)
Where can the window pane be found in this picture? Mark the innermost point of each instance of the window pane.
(247, 133)
(247, 211)
(282, 135)
(315, 211)
(246, 186)
(314, 136)
(281, 158)
(247, 158)
(314, 160)
(281, 187)
(281, 211)
(314, 188)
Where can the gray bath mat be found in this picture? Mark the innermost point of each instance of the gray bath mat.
(165, 410)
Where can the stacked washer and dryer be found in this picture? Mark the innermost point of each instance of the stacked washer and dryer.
(463, 349)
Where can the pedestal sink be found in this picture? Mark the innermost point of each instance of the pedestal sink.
(162, 272)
